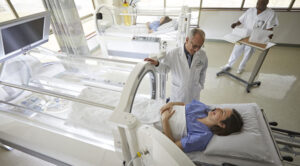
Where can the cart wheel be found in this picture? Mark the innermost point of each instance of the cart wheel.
(288, 158)
(5, 147)
(273, 123)
(218, 74)
(248, 90)
(258, 84)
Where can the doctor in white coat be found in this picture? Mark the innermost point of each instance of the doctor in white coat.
(259, 17)
(188, 66)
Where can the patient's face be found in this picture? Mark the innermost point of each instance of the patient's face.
(161, 20)
(218, 115)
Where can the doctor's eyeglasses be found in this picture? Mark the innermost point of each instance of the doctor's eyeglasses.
(195, 46)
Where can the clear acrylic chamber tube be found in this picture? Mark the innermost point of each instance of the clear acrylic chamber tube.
(124, 32)
(70, 95)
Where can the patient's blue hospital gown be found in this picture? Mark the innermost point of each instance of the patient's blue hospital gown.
(198, 134)
(154, 25)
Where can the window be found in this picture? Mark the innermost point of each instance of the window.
(296, 4)
(222, 3)
(145, 19)
(52, 43)
(272, 3)
(88, 26)
(84, 7)
(5, 12)
(24, 8)
(194, 17)
(179, 3)
(150, 4)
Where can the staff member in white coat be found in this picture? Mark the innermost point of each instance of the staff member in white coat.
(188, 66)
(260, 17)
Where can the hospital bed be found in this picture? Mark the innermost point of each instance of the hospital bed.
(133, 40)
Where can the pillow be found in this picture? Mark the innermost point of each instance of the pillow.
(249, 144)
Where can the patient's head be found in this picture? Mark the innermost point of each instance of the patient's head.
(164, 20)
(226, 121)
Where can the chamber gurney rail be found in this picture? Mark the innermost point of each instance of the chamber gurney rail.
(9, 145)
(55, 94)
(62, 55)
(290, 140)
(289, 137)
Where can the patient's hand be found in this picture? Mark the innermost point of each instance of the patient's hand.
(168, 106)
(167, 114)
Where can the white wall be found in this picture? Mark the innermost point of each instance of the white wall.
(216, 24)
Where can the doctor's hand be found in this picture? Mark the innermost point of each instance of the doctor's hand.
(152, 61)
(166, 115)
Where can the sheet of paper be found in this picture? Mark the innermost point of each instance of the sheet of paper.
(236, 35)
(243, 32)
(260, 36)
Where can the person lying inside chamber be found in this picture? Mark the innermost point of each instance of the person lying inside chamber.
(201, 123)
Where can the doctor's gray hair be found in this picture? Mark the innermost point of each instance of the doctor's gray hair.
(195, 31)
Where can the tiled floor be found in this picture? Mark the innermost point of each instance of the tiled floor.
(278, 95)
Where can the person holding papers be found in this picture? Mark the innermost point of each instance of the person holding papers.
(254, 19)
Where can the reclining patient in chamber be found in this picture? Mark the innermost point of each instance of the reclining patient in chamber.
(201, 123)
(191, 128)
(153, 26)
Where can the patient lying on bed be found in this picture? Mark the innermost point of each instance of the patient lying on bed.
(155, 24)
(201, 124)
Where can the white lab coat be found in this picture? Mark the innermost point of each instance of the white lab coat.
(186, 82)
(250, 20)
(265, 20)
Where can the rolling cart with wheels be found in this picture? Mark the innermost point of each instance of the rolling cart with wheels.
(250, 83)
